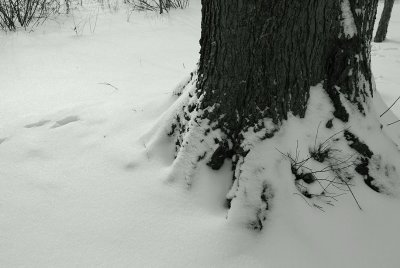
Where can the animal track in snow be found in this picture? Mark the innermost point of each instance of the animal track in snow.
(65, 121)
(2, 140)
(37, 124)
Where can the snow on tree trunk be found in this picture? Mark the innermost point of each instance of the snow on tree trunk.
(381, 32)
(284, 89)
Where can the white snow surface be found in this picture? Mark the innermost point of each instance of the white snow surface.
(81, 187)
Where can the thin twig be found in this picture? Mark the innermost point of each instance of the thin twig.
(333, 135)
(354, 197)
(108, 84)
(303, 198)
(394, 122)
(316, 135)
(390, 107)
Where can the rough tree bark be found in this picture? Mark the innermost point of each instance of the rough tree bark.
(381, 32)
(258, 61)
(259, 58)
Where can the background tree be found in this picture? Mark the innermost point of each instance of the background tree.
(384, 21)
(271, 72)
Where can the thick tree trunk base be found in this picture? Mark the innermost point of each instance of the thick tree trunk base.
(317, 158)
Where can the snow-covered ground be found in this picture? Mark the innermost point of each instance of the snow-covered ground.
(79, 187)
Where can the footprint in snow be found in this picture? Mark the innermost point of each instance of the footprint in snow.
(2, 140)
(65, 121)
(37, 124)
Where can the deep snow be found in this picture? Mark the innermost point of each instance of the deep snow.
(79, 186)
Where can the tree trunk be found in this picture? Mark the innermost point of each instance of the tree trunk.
(384, 21)
(259, 60)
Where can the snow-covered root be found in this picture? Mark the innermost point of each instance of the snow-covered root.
(194, 147)
(315, 159)
(193, 137)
